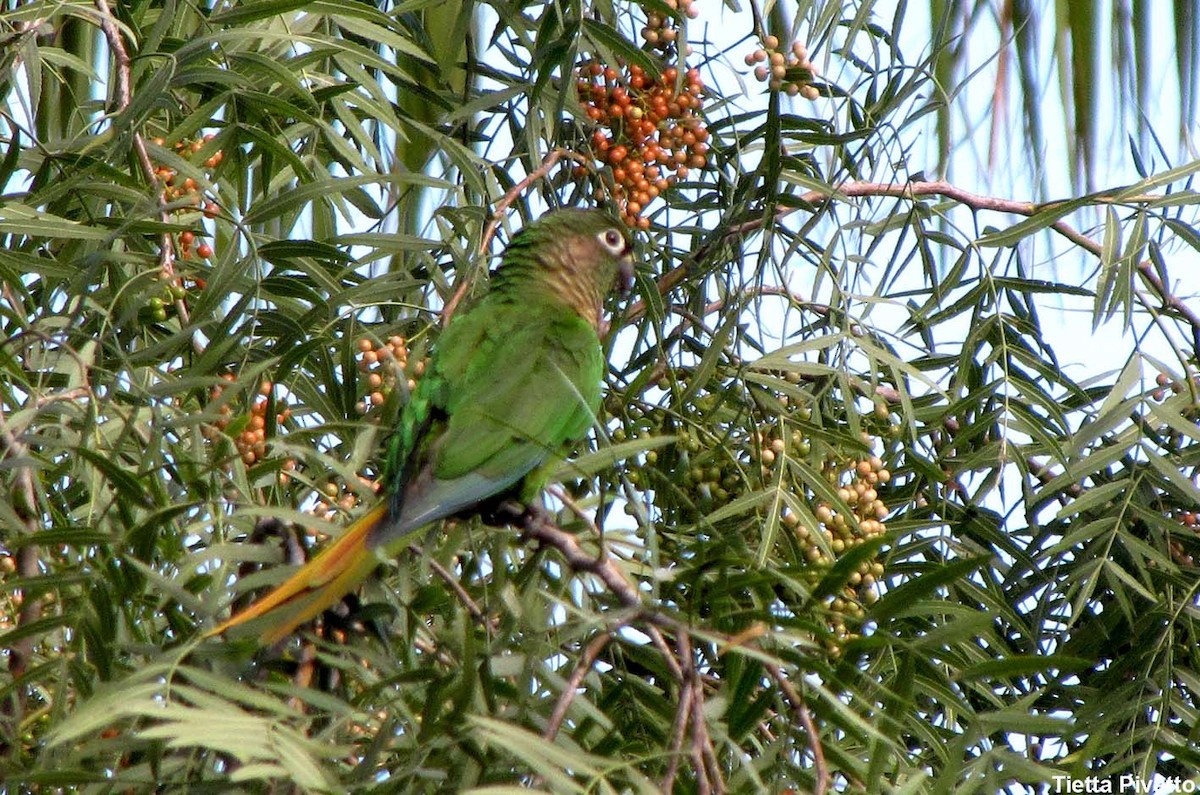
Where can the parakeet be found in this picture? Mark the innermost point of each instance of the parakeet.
(510, 383)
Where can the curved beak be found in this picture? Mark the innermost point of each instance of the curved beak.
(625, 272)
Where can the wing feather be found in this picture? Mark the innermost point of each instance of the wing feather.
(516, 385)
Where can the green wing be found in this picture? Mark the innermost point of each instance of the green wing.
(509, 386)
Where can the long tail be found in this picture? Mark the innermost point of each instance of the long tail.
(317, 586)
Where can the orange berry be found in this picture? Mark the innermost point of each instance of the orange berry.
(204, 250)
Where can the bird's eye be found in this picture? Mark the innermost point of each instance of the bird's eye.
(612, 240)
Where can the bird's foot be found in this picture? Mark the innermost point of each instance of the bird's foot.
(514, 514)
(506, 512)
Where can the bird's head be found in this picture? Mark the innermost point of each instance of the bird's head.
(578, 255)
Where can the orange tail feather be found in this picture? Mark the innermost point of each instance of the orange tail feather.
(318, 584)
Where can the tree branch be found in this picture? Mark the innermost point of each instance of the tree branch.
(536, 523)
(672, 278)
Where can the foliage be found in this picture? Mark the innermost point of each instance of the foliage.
(865, 523)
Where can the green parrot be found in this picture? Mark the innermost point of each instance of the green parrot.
(511, 382)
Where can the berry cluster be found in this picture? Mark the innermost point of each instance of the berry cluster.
(792, 71)
(186, 198)
(336, 496)
(159, 305)
(1164, 382)
(660, 31)
(721, 458)
(385, 365)
(187, 190)
(648, 130)
(251, 439)
(856, 518)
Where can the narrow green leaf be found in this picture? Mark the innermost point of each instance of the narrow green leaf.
(909, 595)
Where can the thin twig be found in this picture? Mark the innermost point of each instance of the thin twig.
(660, 643)
(678, 731)
(474, 609)
(559, 494)
(820, 768)
(586, 661)
(704, 756)
(502, 205)
(512, 193)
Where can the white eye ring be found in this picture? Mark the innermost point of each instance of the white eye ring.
(612, 240)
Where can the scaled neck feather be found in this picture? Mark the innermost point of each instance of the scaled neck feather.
(564, 270)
